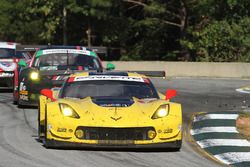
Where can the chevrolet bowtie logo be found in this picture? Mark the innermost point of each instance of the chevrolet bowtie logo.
(115, 119)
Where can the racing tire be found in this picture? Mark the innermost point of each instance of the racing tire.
(178, 145)
(19, 105)
(15, 102)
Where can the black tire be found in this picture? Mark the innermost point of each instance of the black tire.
(19, 105)
(178, 145)
(15, 102)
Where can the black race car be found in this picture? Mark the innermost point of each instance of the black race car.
(49, 67)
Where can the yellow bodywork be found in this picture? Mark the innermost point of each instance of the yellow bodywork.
(139, 114)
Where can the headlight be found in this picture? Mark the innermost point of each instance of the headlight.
(162, 111)
(68, 111)
(34, 76)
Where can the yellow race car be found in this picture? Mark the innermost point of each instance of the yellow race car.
(109, 110)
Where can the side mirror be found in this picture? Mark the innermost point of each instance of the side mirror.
(170, 94)
(22, 63)
(48, 93)
(110, 66)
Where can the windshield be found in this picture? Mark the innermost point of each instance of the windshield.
(103, 88)
(63, 61)
(11, 53)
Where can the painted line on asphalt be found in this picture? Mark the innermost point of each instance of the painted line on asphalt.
(234, 157)
(231, 129)
(217, 135)
(223, 142)
(244, 89)
(215, 122)
(225, 149)
(215, 116)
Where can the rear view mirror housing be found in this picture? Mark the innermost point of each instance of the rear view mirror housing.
(22, 63)
(110, 66)
(170, 94)
(48, 93)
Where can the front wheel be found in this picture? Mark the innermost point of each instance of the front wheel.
(178, 145)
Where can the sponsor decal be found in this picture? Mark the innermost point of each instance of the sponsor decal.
(59, 78)
(115, 142)
(46, 68)
(168, 130)
(74, 51)
(61, 130)
(4, 74)
(23, 92)
(8, 66)
(106, 77)
(22, 86)
(24, 97)
(6, 60)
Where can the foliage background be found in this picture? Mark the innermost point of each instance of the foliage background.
(173, 30)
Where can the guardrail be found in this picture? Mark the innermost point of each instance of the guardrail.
(188, 69)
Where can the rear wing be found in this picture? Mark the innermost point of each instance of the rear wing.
(30, 48)
(151, 73)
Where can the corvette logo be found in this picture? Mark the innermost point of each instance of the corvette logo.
(115, 119)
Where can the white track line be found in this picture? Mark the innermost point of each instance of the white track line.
(227, 129)
(233, 157)
(215, 116)
(223, 142)
(244, 90)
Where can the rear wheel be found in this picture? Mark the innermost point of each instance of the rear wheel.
(178, 145)
(19, 105)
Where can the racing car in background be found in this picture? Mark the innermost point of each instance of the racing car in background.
(110, 110)
(50, 66)
(9, 58)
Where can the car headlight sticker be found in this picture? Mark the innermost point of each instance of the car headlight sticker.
(68, 111)
(161, 112)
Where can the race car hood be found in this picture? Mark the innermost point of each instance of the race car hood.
(114, 112)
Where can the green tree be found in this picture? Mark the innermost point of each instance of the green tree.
(219, 31)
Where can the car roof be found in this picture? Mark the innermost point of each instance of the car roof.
(8, 45)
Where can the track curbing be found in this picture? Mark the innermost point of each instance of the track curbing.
(217, 137)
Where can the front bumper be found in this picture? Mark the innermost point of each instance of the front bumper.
(29, 101)
(7, 81)
(65, 144)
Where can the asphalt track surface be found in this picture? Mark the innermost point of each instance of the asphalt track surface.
(18, 130)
